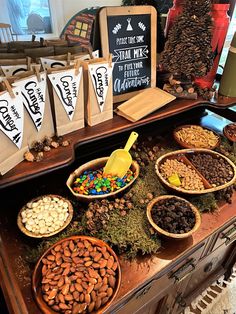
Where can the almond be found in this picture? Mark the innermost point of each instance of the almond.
(90, 288)
(61, 298)
(97, 257)
(57, 248)
(89, 263)
(109, 292)
(110, 262)
(98, 303)
(103, 263)
(63, 306)
(87, 298)
(103, 288)
(104, 300)
(91, 307)
(52, 294)
(78, 287)
(68, 297)
(112, 281)
(65, 288)
(51, 258)
(71, 246)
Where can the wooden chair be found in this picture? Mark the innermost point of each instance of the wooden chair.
(6, 34)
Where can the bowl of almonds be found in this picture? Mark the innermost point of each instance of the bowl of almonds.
(45, 216)
(196, 136)
(79, 274)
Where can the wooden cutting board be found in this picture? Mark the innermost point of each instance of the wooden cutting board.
(144, 103)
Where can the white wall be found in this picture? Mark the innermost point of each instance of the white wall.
(71, 7)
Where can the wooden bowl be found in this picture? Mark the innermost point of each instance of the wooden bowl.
(167, 234)
(94, 165)
(187, 145)
(227, 133)
(185, 152)
(37, 275)
(34, 235)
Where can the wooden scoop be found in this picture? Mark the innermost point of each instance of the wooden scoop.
(120, 160)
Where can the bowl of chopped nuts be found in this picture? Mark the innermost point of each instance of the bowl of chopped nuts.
(173, 217)
(196, 136)
(195, 171)
(45, 216)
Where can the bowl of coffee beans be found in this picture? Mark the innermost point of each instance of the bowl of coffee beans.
(79, 274)
(173, 217)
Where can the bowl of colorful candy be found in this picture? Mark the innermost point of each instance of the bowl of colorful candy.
(88, 183)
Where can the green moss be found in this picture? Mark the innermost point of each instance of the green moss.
(131, 234)
(205, 203)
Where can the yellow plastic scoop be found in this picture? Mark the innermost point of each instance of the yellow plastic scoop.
(120, 160)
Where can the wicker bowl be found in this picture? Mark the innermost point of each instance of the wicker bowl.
(185, 152)
(37, 275)
(94, 165)
(187, 145)
(227, 134)
(167, 234)
(34, 235)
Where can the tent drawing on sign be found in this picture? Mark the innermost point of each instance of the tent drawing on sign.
(79, 28)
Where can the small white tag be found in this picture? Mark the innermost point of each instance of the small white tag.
(33, 93)
(12, 116)
(11, 70)
(51, 63)
(66, 85)
(100, 74)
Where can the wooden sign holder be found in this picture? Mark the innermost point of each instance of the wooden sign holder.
(129, 11)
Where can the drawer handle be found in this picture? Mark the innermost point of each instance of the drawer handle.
(185, 268)
(229, 235)
(180, 300)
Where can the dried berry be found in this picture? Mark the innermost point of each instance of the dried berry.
(173, 215)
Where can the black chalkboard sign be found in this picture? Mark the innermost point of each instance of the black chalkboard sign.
(129, 34)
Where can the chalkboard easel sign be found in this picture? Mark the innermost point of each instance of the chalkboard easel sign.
(129, 34)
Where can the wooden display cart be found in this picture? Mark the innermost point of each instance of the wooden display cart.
(161, 283)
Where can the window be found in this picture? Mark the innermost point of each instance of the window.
(30, 16)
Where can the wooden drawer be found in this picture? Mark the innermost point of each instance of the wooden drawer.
(156, 288)
(226, 236)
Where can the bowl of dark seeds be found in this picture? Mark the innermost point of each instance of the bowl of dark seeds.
(173, 217)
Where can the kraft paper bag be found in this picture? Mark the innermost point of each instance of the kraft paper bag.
(67, 98)
(38, 119)
(12, 130)
(13, 67)
(99, 94)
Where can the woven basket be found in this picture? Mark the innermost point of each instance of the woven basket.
(94, 165)
(168, 234)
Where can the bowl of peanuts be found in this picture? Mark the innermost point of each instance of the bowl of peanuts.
(45, 216)
(78, 274)
(196, 136)
(195, 171)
